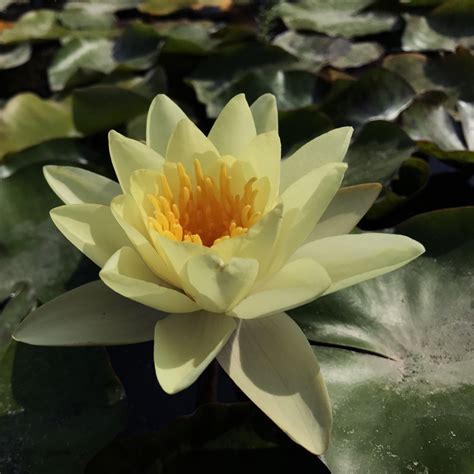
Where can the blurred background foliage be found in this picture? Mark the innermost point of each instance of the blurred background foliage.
(400, 72)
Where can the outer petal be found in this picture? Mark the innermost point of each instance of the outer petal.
(89, 315)
(297, 283)
(273, 364)
(304, 203)
(264, 153)
(234, 128)
(346, 210)
(265, 113)
(185, 142)
(217, 285)
(77, 185)
(91, 228)
(350, 259)
(185, 344)
(163, 116)
(129, 155)
(126, 274)
(128, 216)
(327, 148)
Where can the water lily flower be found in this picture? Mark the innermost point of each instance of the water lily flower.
(205, 242)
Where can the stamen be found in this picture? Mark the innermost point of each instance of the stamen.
(205, 213)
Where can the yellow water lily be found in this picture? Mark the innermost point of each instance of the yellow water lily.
(205, 242)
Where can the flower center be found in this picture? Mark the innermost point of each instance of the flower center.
(205, 213)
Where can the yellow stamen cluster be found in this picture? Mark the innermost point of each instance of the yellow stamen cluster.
(205, 213)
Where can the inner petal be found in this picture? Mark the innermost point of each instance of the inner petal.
(203, 209)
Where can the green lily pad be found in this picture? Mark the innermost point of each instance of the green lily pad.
(237, 436)
(298, 127)
(454, 18)
(188, 38)
(165, 7)
(89, 17)
(378, 94)
(15, 56)
(420, 36)
(317, 51)
(35, 24)
(94, 54)
(58, 406)
(254, 69)
(400, 357)
(102, 107)
(61, 151)
(27, 120)
(451, 73)
(429, 122)
(336, 17)
(31, 249)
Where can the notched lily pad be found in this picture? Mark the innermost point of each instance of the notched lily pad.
(336, 17)
(378, 94)
(410, 407)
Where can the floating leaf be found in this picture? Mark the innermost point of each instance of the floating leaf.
(420, 36)
(80, 53)
(317, 51)
(99, 108)
(254, 69)
(410, 408)
(336, 17)
(298, 127)
(454, 18)
(188, 38)
(237, 436)
(27, 120)
(165, 7)
(31, 249)
(15, 56)
(36, 24)
(430, 123)
(378, 94)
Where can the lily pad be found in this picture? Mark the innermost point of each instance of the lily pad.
(31, 249)
(378, 94)
(27, 120)
(237, 436)
(35, 24)
(254, 69)
(58, 406)
(397, 356)
(429, 122)
(336, 17)
(454, 18)
(188, 38)
(80, 53)
(165, 7)
(102, 107)
(15, 56)
(317, 51)
(420, 36)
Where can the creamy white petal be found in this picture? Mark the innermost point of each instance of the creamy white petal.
(185, 344)
(216, 285)
(163, 116)
(264, 153)
(129, 155)
(265, 113)
(304, 203)
(125, 211)
(77, 185)
(272, 362)
(327, 148)
(297, 283)
(234, 128)
(187, 141)
(126, 273)
(347, 208)
(91, 228)
(351, 259)
(89, 315)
